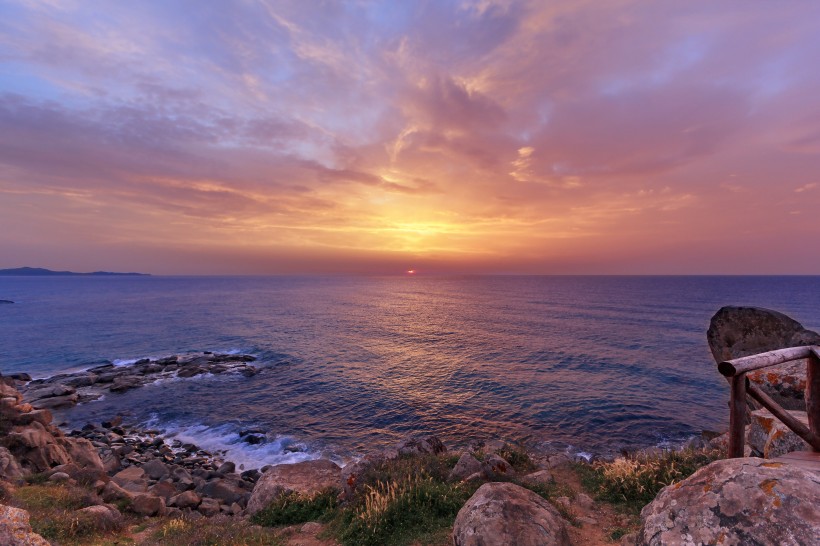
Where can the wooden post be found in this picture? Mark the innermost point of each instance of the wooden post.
(813, 394)
(737, 416)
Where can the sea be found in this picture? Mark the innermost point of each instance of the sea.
(592, 365)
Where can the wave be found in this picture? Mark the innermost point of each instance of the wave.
(229, 443)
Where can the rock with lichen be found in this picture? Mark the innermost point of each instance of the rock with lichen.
(736, 501)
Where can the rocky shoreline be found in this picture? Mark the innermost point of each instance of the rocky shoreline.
(66, 390)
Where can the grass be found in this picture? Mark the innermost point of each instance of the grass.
(634, 481)
(401, 511)
(398, 502)
(53, 509)
(212, 532)
(295, 508)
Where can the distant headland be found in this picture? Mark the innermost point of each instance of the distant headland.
(40, 272)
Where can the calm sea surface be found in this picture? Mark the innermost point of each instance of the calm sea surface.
(353, 364)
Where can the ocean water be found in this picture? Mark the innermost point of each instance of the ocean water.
(353, 364)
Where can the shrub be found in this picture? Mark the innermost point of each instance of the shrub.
(294, 508)
(635, 480)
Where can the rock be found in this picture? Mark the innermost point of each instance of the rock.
(15, 529)
(421, 446)
(494, 467)
(10, 469)
(736, 501)
(156, 469)
(164, 490)
(125, 383)
(542, 477)
(132, 479)
(584, 501)
(56, 402)
(115, 422)
(226, 468)
(209, 507)
(42, 416)
(466, 466)
(186, 499)
(742, 331)
(113, 492)
(105, 517)
(307, 478)
(506, 514)
(59, 477)
(772, 438)
(311, 528)
(224, 491)
(84, 454)
(722, 442)
(148, 505)
(36, 448)
(559, 461)
(20, 376)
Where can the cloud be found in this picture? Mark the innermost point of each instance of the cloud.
(540, 136)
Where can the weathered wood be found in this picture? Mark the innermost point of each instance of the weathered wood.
(737, 416)
(809, 460)
(785, 417)
(813, 395)
(745, 364)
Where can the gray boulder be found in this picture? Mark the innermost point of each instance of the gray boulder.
(505, 514)
(736, 501)
(306, 478)
(742, 331)
(467, 465)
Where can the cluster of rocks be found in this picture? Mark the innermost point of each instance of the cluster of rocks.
(67, 390)
(125, 467)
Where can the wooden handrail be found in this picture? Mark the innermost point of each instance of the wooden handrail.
(745, 364)
(735, 371)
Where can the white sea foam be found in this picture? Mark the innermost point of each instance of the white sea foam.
(225, 441)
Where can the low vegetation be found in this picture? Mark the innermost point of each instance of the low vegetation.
(54, 513)
(635, 480)
(212, 532)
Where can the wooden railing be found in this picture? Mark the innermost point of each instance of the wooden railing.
(735, 371)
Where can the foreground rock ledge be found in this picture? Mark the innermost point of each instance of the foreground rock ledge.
(736, 501)
(505, 514)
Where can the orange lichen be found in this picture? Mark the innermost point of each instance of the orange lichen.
(768, 486)
(772, 465)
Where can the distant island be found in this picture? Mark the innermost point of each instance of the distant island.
(40, 272)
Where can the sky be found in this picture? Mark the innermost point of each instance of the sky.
(367, 137)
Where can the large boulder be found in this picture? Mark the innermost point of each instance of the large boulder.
(305, 478)
(736, 501)
(15, 529)
(742, 331)
(505, 514)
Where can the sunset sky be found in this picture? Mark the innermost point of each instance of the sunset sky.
(487, 136)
